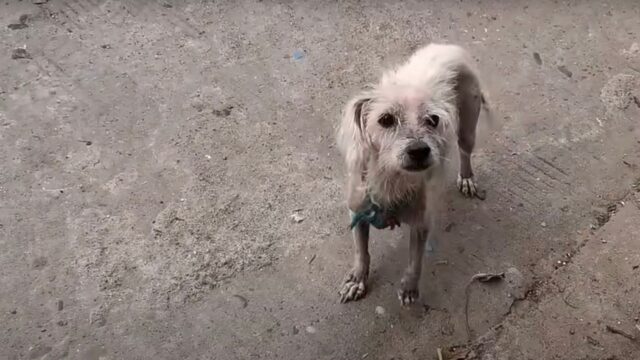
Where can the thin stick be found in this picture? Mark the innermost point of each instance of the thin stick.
(613, 330)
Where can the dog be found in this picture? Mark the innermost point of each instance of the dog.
(395, 139)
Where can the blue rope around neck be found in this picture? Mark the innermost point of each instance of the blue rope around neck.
(373, 214)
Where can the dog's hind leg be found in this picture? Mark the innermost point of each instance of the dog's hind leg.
(469, 101)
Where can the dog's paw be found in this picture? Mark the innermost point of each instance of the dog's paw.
(408, 292)
(467, 186)
(408, 296)
(354, 287)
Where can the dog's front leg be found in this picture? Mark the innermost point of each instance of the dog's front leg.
(408, 292)
(354, 286)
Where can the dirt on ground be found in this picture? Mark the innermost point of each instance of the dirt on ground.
(170, 187)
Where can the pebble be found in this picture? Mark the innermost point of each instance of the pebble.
(537, 58)
(563, 69)
(311, 330)
(516, 283)
(60, 305)
(297, 218)
(380, 310)
(20, 53)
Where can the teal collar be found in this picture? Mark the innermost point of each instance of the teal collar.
(374, 214)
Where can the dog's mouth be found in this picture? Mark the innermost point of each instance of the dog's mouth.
(413, 166)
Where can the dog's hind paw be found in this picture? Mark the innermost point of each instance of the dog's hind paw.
(467, 186)
(408, 292)
(353, 287)
(408, 296)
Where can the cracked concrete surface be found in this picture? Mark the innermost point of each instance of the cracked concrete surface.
(153, 153)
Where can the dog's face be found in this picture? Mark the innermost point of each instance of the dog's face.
(405, 128)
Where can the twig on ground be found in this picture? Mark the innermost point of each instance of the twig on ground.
(617, 331)
(439, 354)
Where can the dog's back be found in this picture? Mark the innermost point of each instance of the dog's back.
(430, 65)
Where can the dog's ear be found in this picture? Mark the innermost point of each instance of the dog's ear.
(352, 138)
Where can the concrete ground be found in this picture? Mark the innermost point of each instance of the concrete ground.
(152, 154)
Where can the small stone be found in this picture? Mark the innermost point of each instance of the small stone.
(311, 330)
(516, 283)
(40, 2)
(39, 262)
(60, 305)
(13, 312)
(297, 218)
(208, 157)
(543, 224)
(537, 58)
(563, 69)
(380, 310)
(295, 330)
(20, 53)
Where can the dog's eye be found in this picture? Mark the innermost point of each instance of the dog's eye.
(432, 120)
(387, 120)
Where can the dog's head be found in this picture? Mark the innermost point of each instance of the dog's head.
(400, 127)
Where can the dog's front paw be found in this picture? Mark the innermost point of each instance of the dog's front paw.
(467, 186)
(408, 293)
(354, 287)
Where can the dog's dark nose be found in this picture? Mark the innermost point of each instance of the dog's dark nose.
(418, 151)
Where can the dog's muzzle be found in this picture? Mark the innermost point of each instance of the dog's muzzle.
(417, 156)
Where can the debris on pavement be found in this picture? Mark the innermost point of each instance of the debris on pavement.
(297, 217)
(617, 331)
(313, 257)
(537, 58)
(243, 301)
(563, 69)
(22, 23)
(298, 55)
(20, 53)
(483, 278)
